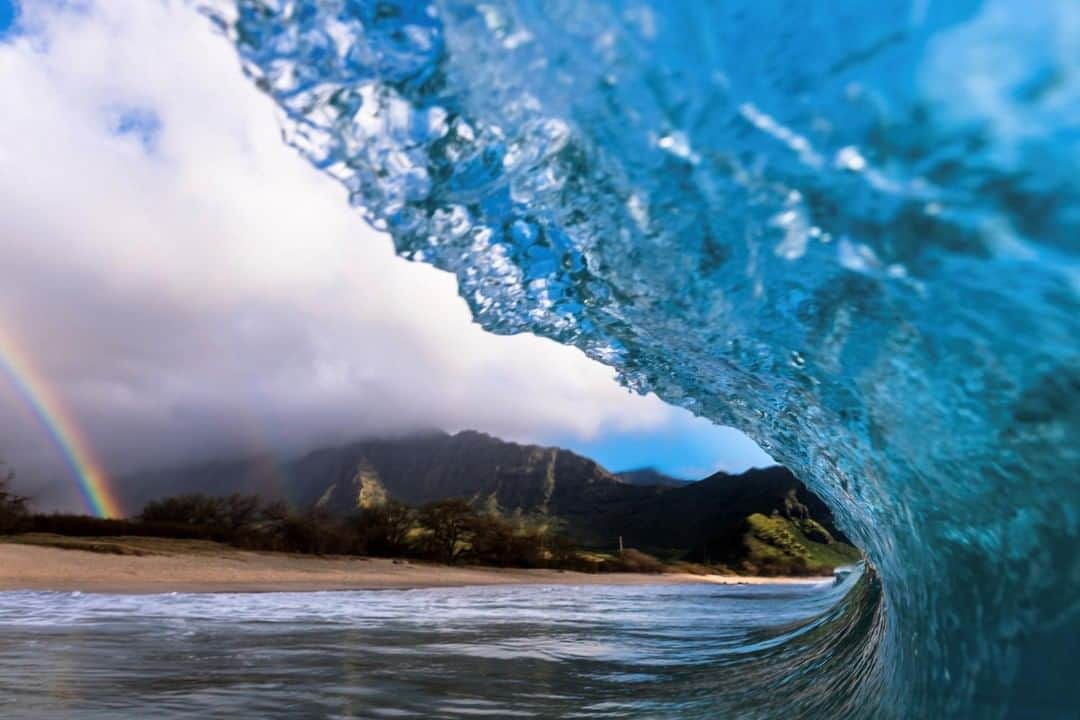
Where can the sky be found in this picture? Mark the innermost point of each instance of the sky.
(7, 14)
(185, 287)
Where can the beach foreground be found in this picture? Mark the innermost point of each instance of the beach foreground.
(149, 565)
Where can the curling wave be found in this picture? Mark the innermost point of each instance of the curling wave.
(849, 229)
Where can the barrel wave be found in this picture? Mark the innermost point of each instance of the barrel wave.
(850, 229)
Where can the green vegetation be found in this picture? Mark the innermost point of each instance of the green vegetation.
(764, 524)
(447, 531)
(536, 493)
(777, 545)
(450, 528)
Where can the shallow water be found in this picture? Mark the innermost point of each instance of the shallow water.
(590, 652)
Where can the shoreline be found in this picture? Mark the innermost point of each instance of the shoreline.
(152, 566)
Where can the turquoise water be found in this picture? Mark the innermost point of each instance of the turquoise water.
(850, 229)
(693, 651)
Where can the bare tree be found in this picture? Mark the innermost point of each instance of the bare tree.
(14, 509)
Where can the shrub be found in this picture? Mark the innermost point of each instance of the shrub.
(631, 560)
(86, 526)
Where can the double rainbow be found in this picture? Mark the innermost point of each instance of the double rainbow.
(57, 421)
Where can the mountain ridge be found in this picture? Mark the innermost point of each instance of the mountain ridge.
(705, 519)
(651, 476)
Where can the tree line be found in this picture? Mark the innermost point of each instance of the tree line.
(448, 531)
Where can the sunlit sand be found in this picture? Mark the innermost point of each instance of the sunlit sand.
(147, 565)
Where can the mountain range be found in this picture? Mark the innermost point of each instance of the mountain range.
(711, 519)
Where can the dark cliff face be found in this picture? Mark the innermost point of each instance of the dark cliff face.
(418, 470)
(594, 506)
(695, 514)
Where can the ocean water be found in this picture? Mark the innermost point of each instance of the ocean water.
(692, 651)
(849, 228)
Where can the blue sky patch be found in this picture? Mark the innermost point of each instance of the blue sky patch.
(141, 123)
(8, 11)
(688, 450)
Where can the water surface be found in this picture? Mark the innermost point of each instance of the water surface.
(561, 651)
(847, 228)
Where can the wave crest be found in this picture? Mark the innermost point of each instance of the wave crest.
(849, 230)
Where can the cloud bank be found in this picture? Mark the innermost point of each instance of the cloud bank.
(190, 287)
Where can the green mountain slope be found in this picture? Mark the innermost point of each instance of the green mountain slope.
(763, 520)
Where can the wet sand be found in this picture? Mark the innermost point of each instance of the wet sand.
(147, 565)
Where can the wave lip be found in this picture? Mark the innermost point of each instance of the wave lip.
(849, 230)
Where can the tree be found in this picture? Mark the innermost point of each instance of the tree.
(312, 531)
(240, 512)
(228, 518)
(385, 527)
(193, 509)
(494, 542)
(563, 552)
(450, 525)
(14, 509)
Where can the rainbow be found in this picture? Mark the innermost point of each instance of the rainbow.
(58, 422)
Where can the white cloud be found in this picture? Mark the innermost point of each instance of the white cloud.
(187, 283)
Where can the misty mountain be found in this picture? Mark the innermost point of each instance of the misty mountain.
(650, 476)
(646, 508)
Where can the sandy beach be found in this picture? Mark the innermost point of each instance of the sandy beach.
(147, 565)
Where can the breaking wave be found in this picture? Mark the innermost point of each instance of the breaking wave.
(850, 229)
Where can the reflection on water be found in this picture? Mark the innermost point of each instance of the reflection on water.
(595, 652)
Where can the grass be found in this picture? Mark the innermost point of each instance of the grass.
(773, 546)
(779, 545)
(121, 545)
